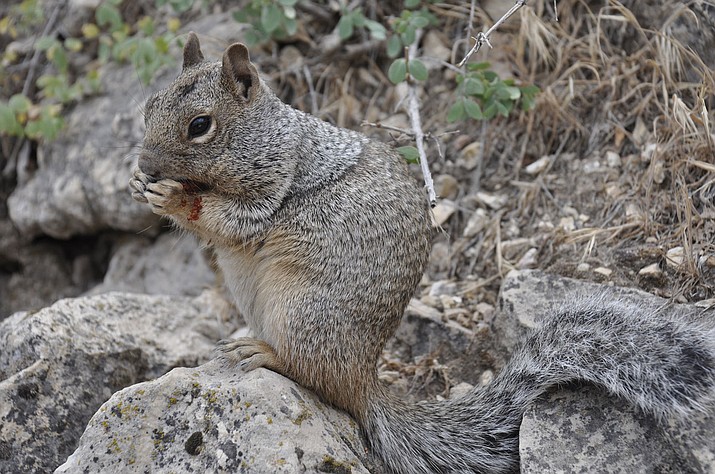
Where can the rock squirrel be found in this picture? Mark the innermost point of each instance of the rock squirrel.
(322, 237)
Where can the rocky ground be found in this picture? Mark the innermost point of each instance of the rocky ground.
(610, 179)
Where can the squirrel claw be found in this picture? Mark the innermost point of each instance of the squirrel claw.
(165, 197)
(138, 184)
(249, 353)
(139, 196)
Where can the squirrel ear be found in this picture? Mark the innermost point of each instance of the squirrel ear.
(238, 71)
(192, 51)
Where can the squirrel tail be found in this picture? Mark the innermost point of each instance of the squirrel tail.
(664, 365)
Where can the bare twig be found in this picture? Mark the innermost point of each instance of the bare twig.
(470, 25)
(483, 38)
(365, 123)
(556, 11)
(413, 111)
(311, 90)
(11, 166)
(410, 133)
(36, 55)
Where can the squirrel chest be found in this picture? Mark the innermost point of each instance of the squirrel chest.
(263, 278)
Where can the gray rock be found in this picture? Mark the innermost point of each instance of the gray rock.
(584, 430)
(80, 186)
(216, 419)
(173, 265)
(58, 365)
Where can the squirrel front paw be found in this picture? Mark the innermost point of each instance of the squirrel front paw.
(138, 185)
(166, 197)
(250, 353)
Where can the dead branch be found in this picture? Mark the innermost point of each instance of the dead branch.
(483, 38)
(413, 111)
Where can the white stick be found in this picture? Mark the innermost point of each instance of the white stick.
(483, 38)
(413, 111)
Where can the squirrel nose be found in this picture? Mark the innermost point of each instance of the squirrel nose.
(149, 165)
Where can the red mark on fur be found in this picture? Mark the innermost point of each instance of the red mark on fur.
(195, 209)
(191, 187)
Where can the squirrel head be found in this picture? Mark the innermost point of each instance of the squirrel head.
(218, 128)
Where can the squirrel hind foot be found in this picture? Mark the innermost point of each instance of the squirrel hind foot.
(249, 353)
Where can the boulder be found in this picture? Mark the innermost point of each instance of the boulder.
(80, 186)
(586, 430)
(173, 264)
(215, 418)
(58, 365)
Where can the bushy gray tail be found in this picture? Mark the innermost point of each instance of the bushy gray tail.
(663, 365)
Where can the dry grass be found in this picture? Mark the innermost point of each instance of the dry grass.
(609, 84)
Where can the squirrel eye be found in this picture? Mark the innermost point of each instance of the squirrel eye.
(199, 125)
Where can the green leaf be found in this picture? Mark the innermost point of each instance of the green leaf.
(503, 109)
(473, 86)
(19, 103)
(490, 76)
(181, 6)
(358, 18)
(108, 15)
(90, 30)
(47, 125)
(527, 103)
(73, 44)
(288, 3)
(289, 12)
(409, 153)
(418, 70)
(104, 51)
(473, 109)
(8, 122)
(457, 112)
(45, 43)
(419, 21)
(530, 90)
(490, 110)
(481, 66)
(409, 36)
(253, 37)
(146, 25)
(291, 26)
(59, 57)
(377, 31)
(345, 27)
(47, 128)
(398, 71)
(241, 16)
(271, 18)
(412, 3)
(514, 92)
(394, 46)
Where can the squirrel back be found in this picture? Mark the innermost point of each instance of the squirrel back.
(322, 236)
